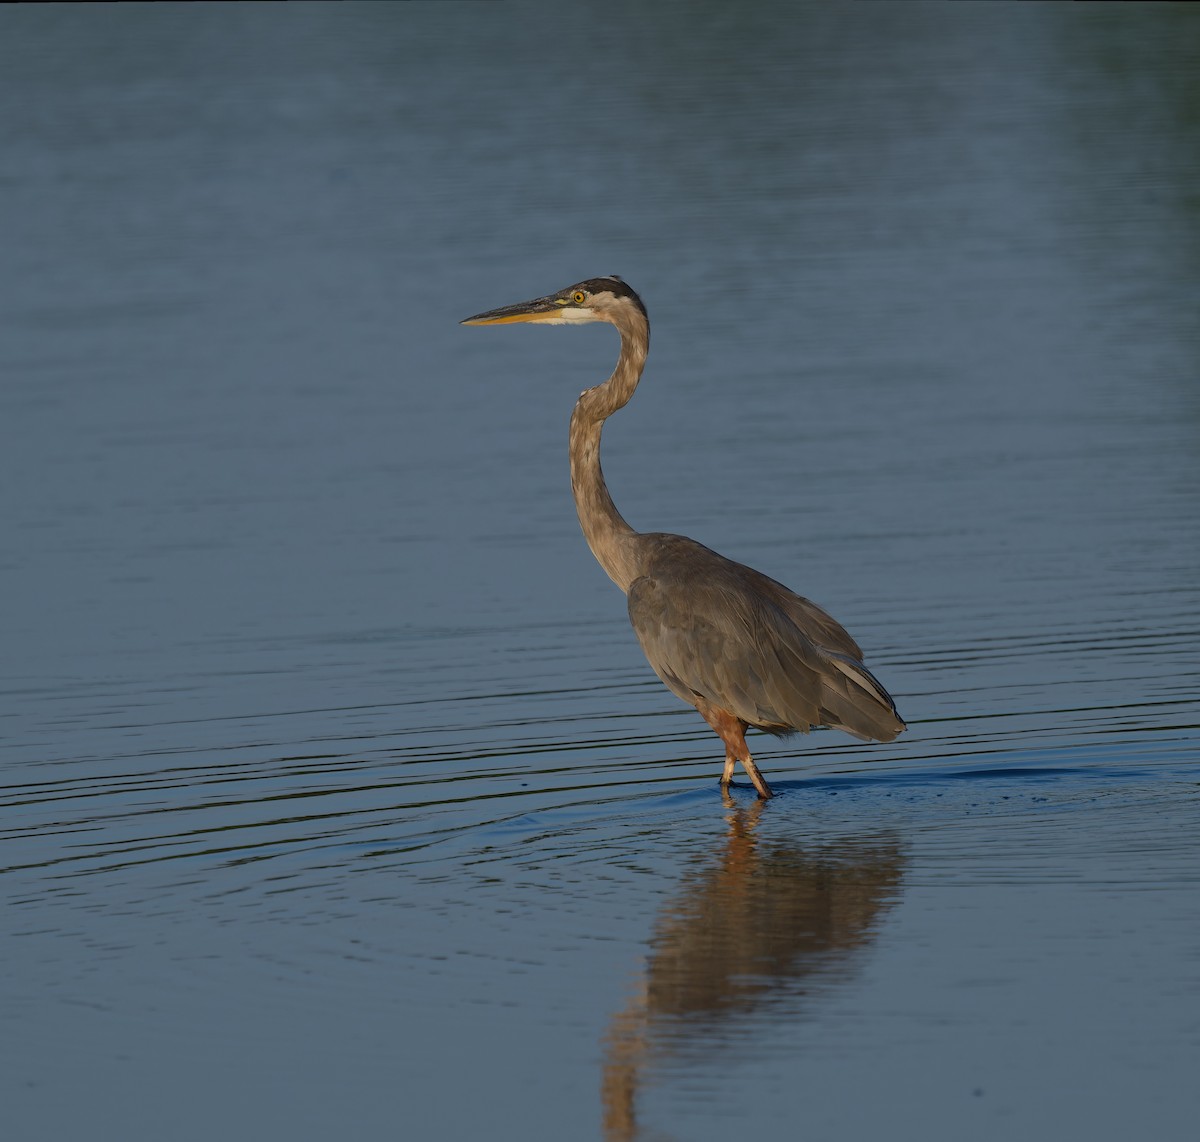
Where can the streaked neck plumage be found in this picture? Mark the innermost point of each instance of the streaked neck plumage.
(612, 540)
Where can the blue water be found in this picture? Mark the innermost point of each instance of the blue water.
(337, 795)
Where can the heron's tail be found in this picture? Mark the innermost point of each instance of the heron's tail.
(854, 700)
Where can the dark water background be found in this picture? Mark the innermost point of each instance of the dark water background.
(338, 800)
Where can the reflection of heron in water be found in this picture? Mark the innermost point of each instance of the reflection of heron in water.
(756, 926)
(741, 648)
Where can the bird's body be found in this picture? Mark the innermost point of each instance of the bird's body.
(740, 647)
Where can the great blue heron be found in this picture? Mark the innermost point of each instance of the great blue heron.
(741, 648)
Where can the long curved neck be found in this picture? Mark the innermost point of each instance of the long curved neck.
(608, 535)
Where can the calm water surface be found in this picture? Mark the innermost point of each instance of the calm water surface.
(337, 796)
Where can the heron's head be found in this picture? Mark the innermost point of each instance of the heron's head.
(597, 299)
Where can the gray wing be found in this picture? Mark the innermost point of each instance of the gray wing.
(716, 630)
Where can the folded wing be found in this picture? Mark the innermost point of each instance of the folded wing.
(716, 630)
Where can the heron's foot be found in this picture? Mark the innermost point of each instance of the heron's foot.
(760, 783)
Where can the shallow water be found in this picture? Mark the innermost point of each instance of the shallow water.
(337, 794)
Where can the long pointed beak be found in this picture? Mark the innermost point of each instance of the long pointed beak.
(540, 309)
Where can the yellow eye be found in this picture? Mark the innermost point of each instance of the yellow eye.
(578, 297)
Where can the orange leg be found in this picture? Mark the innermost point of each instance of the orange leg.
(732, 731)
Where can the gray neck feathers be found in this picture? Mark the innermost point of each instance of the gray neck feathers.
(612, 540)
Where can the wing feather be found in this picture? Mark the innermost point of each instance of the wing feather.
(716, 630)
